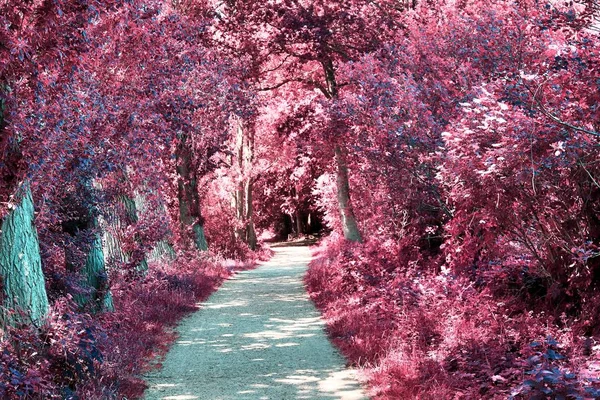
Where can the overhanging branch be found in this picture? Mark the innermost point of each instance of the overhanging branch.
(556, 119)
(309, 82)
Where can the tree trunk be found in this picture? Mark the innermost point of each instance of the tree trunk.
(112, 226)
(93, 272)
(293, 225)
(244, 152)
(131, 212)
(20, 262)
(112, 249)
(85, 253)
(96, 279)
(249, 216)
(349, 225)
(162, 250)
(299, 225)
(348, 220)
(190, 218)
(239, 198)
(21, 277)
(239, 192)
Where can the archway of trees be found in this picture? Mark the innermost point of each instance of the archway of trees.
(448, 152)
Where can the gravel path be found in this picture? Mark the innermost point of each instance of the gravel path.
(258, 337)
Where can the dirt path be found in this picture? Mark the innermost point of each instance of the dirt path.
(258, 337)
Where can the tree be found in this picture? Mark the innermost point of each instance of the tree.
(28, 33)
(84, 253)
(190, 216)
(294, 42)
(243, 195)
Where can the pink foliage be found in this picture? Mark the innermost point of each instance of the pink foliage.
(73, 354)
(474, 179)
(418, 334)
(470, 130)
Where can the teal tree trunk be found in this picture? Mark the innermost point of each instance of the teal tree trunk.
(85, 255)
(190, 217)
(20, 262)
(96, 279)
(21, 278)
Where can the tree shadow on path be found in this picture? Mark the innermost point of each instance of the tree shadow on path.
(258, 337)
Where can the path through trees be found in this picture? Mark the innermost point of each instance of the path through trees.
(258, 337)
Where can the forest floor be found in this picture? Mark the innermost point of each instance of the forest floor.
(258, 337)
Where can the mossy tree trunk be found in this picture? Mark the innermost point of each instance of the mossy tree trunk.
(85, 253)
(20, 262)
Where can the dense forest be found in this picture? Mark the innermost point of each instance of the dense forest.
(446, 153)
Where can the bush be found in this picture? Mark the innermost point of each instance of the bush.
(417, 333)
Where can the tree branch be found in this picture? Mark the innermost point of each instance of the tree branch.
(277, 67)
(559, 121)
(568, 125)
(309, 82)
(277, 86)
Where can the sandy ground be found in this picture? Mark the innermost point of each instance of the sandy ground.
(257, 337)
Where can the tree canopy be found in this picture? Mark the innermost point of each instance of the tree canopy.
(447, 149)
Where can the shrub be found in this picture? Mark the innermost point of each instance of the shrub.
(417, 333)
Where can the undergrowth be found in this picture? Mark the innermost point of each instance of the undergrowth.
(428, 334)
(77, 355)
